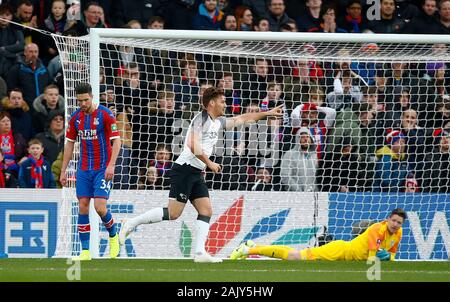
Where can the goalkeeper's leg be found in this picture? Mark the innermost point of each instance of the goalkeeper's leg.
(273, 251)
(155, 215)
(335, 250)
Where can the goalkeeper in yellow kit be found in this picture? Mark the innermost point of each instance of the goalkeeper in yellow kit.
(379, 240)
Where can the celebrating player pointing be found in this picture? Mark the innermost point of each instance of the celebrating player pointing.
(186, 181)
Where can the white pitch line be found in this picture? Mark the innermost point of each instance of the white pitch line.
(247, 270)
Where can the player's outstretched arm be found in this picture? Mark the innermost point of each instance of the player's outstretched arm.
(68, 152)
(253, 117)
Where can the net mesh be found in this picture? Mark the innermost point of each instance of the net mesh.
(363, 132)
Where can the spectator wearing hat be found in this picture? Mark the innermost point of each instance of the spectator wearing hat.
(298, 165)
(53, 137)
(437, 168)
(307, 115)
(339, 171)
(353, 21)
(391, 169)
(44, 104)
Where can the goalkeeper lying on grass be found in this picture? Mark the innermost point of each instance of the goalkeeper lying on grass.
(380, 239)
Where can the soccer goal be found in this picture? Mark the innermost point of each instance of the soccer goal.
(363, 132)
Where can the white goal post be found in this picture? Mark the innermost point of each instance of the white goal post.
(312, 198)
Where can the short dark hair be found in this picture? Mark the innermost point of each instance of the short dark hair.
(82, 88)
(51, 86)
(398, 212)
(226, 74)
(89, 4)
(160, 147)
(210, 94)
(154, 19)
(24, 2)
(165, 94)
(15, 90)
(4, 114)
(5, 7)
(351, 2)
(325, 8)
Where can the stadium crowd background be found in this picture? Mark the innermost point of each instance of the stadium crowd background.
(348, 126)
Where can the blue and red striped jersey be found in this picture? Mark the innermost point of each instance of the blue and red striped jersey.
(95, 131)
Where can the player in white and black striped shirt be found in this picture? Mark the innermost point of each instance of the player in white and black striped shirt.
(187, 182)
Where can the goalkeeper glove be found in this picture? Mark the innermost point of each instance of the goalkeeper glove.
(383, 255)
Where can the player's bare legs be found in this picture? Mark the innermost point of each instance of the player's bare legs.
(172, 212)
(84, 228)
(108, 222)
(204, 209)
(175, 208)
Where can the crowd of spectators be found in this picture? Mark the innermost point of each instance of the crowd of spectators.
(347, 126)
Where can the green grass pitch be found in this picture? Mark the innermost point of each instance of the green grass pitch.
(229, 271)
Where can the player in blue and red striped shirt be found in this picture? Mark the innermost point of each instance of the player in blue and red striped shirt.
(95, 127)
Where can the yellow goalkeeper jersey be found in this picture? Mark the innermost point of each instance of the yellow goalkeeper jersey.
(374, 238)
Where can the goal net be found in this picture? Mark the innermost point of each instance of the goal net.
(364, 131)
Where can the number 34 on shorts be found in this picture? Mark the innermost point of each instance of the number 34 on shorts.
(93, 184)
